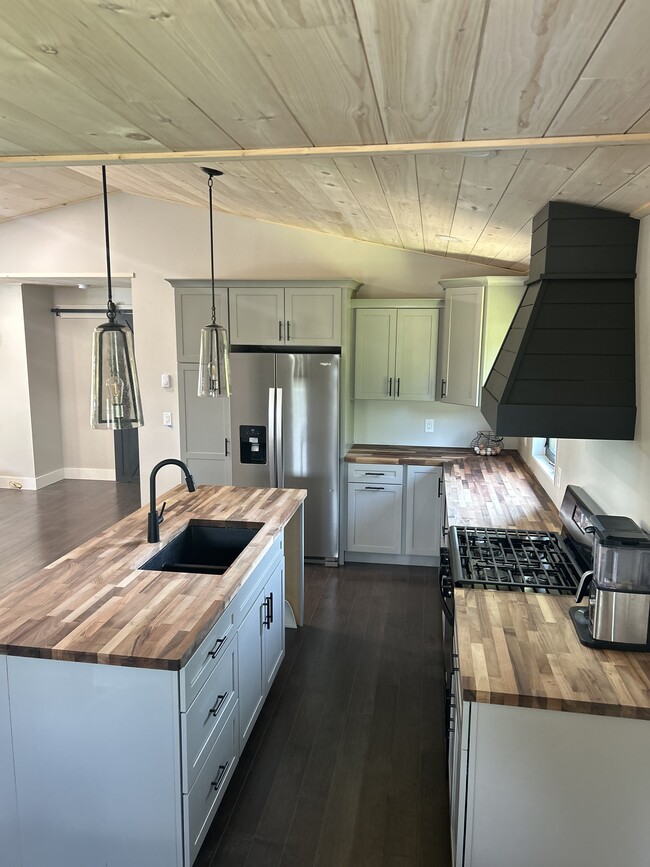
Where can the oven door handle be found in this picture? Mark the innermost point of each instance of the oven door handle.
(446, 610)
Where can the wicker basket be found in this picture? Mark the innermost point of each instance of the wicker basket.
(487, 443)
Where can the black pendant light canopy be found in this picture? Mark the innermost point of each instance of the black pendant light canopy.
(214, 357)
(115, 393)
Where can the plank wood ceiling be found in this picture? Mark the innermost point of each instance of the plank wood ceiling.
(136, 76)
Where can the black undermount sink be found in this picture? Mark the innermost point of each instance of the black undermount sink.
(206, 547)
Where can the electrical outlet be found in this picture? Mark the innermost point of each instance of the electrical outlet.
(428, 425)
(167, 419)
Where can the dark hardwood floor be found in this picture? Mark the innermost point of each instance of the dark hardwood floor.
(37, 527)
(345, 767)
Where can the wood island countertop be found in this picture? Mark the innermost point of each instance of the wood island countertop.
(95, 605)
(521, 649)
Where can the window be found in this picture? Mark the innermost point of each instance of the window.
(544, 451)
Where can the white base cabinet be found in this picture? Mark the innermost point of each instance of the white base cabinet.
(394, 513)
(105, 764)
(545, 787)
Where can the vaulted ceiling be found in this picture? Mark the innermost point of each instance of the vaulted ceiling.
(150, 77)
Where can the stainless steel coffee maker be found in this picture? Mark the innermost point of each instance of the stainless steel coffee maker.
(618, 613)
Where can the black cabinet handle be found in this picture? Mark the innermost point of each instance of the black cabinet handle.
(288, 331)
(226, 447)
(270, 609)
(440, 486)
(443, 388)
(390, 386)
(219, 702)
(397, 387)
(215, 650)
(222, 773)
(265, 619)
(279, 329)
(368, 488)
(374, 474)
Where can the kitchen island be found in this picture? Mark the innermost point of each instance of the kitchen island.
(126, 694)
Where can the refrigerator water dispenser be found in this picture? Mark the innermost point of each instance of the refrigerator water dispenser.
(252, 444)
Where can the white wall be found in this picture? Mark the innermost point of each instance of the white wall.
(16, 452)
(615, 474)
(40, 349)
(158, 240)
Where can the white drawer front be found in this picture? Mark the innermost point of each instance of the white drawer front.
(210, 651)
(381, 473)
(204, 719)
(200, 805)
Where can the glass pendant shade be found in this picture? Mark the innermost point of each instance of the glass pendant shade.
(115, 393)
(214, 362)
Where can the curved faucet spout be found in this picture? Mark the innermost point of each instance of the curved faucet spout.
(155, 518)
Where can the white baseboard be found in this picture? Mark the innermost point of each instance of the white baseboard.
(89, 473)
(31, 483)
(391, 559)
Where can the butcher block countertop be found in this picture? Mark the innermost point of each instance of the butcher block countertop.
(521, 649)
(95, 605)
(495, 491)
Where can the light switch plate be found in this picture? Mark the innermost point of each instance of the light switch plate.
(167, 419)
(165, 380)
(428, 425)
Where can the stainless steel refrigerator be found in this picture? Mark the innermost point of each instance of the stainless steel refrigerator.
(285, 433)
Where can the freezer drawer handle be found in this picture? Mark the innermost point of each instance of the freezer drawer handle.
(222, 773)
(368, 488)
(220, 700)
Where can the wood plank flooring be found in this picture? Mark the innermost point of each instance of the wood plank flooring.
(37, 527)
(346, 763)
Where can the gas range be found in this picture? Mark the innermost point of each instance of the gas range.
(495, 559)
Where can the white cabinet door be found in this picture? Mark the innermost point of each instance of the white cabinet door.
(257, 316)
(375, 518)
(8, 811)
(274, 630)
(193, 311)
(312, 317)
(423, 510)
(416, 354)
(460, 356)
(374, 354)
(251, 668)
(204, 430)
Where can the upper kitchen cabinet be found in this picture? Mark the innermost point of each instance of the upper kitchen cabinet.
(477, 314)
(395, 345)
(193, 311)
(291, 314)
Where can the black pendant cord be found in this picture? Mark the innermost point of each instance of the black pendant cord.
(214, 312)
(110, 311)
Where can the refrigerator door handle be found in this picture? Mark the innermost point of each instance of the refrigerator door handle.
(279, 445)
(273, 479)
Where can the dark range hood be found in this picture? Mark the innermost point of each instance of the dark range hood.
(566, 366)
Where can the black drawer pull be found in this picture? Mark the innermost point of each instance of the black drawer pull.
(270, 609)
(215, 650)
(222, 773)
(220, 700)
(374, 474)
(368, 488)
(443, 388)
(266, 619)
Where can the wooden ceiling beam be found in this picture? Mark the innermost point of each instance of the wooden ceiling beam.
(360, 150)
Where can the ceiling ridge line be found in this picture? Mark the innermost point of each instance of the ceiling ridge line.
(390, 149)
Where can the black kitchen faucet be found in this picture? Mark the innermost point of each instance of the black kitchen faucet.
(155, 518)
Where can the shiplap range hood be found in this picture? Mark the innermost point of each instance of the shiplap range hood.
(566, 367)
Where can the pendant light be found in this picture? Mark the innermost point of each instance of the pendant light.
(115, 394)
(214, 357)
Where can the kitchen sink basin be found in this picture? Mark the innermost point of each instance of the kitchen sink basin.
(206, 547)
